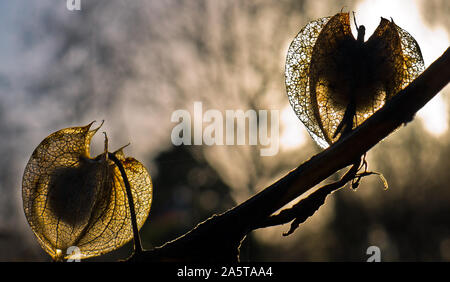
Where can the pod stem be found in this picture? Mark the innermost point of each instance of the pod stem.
(136, 237)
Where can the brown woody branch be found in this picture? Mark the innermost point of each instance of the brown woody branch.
(218, 238)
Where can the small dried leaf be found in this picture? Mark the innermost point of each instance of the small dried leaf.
(385, 183)
(383, 179)
(335, 82)
(71, 199)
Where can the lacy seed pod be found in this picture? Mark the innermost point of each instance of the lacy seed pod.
(335, 82)
(71, 199)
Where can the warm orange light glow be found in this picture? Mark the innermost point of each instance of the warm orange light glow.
(293, 134)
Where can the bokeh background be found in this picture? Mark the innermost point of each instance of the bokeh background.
(132, 63)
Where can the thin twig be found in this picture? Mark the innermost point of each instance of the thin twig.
(136, 237)
(308, 206)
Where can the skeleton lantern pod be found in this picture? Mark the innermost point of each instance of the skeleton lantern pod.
(335, 82)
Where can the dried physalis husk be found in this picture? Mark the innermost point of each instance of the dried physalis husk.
(335, 82)
(71, 199)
